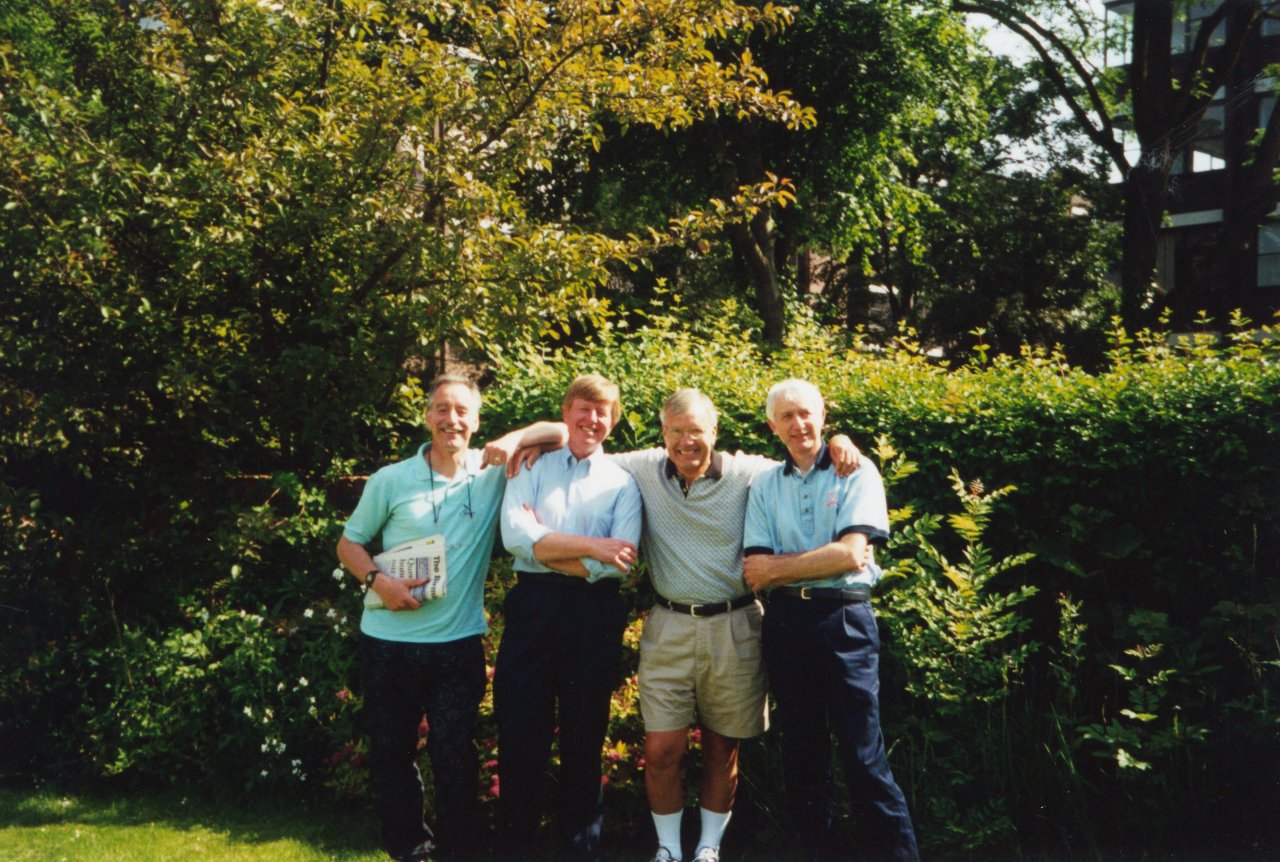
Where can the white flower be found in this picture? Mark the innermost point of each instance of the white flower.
(337, 574)
(248, 710)
(302, 681)
(308, 613)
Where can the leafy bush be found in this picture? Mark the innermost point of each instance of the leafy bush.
(1098, 643)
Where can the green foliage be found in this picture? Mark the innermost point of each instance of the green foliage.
(1143, 516)
(1149, 485)
(960, 640)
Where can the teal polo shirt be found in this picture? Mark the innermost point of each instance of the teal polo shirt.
(790, 513)
(401, 503)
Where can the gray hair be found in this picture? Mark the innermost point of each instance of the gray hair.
(685, 401)
(453, 380)
(792, 389)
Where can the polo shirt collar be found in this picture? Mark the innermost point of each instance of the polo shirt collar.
(822, 463)
(422, 471)
(714, 472)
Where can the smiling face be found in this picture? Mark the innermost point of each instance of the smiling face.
(453, 415)
(589, 423)
(797, 418)
(690, 439)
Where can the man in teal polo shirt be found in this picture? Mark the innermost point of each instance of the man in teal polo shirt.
(807, 542)
(426, 657)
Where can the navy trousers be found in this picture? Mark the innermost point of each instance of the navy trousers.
(823, 659)
(401, 682)
(557, 666)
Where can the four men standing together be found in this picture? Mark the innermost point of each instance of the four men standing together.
(573, 522)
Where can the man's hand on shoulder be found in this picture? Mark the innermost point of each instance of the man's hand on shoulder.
(845, 456)
(523, 458)
(501, 452)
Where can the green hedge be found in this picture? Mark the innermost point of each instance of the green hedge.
(1081, 623)
(1136, 648)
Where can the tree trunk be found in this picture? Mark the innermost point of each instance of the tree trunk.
(752, 240)
(1145, 191)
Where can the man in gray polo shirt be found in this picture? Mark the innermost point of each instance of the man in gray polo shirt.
(700, 659)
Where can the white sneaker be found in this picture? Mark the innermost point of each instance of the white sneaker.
(707, 854)
(663, 855)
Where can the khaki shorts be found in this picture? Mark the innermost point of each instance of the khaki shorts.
(706, 670)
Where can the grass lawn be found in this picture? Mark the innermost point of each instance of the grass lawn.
(50, 827)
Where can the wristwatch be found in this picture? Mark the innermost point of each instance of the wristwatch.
(369, 577)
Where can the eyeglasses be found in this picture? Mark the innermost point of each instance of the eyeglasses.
(691, 433)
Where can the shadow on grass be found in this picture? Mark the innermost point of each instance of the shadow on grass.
(252, 820)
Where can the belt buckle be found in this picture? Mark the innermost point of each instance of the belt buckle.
(695, 611)
(804, 593)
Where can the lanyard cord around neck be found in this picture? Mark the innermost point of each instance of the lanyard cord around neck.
(435, 513)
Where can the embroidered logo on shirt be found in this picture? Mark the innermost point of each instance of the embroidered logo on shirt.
(833, 499)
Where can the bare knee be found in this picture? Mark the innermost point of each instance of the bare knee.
(664, 750)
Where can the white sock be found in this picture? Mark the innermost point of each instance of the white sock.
(668, 827)
(713, 826)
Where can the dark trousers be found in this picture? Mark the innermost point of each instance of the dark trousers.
(823, 659)
(561, 648)
(402, 682)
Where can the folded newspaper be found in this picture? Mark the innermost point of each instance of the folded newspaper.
(420, 558)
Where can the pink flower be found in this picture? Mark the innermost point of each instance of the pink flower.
(491, 764)
(604, 780)
(423, 727)
(344, 695)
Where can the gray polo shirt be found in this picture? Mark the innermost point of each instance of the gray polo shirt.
(692, 537)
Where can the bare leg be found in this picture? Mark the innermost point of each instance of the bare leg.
(663, 753)
(719, 771)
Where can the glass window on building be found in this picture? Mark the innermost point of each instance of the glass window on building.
(1269, 255)
(1119, 34)
(1208, 148)
(1271, 23)
(1188, 21)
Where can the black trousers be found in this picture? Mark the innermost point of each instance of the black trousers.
(557, 666)
(402, 682)
(823, 659)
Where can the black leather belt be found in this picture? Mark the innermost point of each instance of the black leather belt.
(846, 595)
(573, 582)
(708, 610)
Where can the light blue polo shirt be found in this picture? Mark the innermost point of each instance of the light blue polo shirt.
(790, 513)
(402, 503)
(589, 497)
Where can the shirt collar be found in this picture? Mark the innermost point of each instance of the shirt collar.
(714, 472)
(590, 460)
(822, 463)
(423, 471)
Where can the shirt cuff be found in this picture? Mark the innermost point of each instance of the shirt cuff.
(597, 570)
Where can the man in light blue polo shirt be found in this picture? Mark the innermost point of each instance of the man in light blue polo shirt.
(572, 522)
(807, 541)
(426, 657)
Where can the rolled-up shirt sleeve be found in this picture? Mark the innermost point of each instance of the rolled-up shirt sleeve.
(520, 527)
(627, 522)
